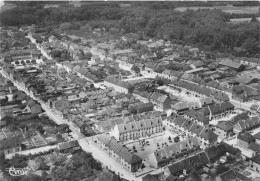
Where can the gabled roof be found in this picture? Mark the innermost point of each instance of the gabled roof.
(247, 137)
(128, 156)
(220, 107)
(209, 135)
(254, 146)
(199, 116)
(249, 123)
(257, 136)
(180, 106)
(160, 155)
(231, 64)
(115, 145)
(224, 126)
(256, 158)
(158, 97)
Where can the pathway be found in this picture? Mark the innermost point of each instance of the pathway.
(32, 151)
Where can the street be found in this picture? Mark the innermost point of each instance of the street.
(103, 157)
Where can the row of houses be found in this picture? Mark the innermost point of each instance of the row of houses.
(189, 128)
(226, 129)
(137, 129)
(209, 155)
(119, 152)
(198, 90)
(171, 153)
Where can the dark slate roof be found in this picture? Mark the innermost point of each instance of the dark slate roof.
(228, 175)
(256, 158)
(247, 137)
(200, 116)
(144, 105)
(231, 64)
(230, 149)
(160, 155)
(224, 126)
(220, 107)
(254, 146)
(115, 145)
(128, 156)
(104, 138)
(257, 136)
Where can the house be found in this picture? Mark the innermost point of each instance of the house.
(137, 129)
(118, 85)
(257, 138)
(244, 93)
(232, 65)
(254, 148)
(197, 116)
(141, 108)
(246, 125)
(119, 152)
(220, 110)
(206, 101)
(216, 151)
(231, 175)
(60, 106)
(129, 159)
(191, 128)
(223, 129)
(197, 64)
(170, 153)
(244, 139)
(255, 163)
(180, 107)
(245, 80)
(184, 166)
(10, 145)
(159, 100)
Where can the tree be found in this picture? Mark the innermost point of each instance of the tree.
(17, 62)
(86, 28)
(169, 138)
(136, 69)
(65, 26)
(176, 139)
(33, 61)
(28, 61)
(127, 24)
(19, 161)
(88, 55)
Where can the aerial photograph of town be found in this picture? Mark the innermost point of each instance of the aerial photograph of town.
(130, 90)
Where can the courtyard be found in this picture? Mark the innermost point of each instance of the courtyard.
(181, 95)
(145, 147)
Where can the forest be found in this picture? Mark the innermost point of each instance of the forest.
(207, 29)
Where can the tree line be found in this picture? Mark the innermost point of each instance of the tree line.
(207, 29)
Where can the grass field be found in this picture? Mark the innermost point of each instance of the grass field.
(226, 9)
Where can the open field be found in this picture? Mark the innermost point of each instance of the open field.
(152, 146)
(226, 9)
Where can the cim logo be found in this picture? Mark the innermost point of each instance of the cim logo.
(18, 171)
